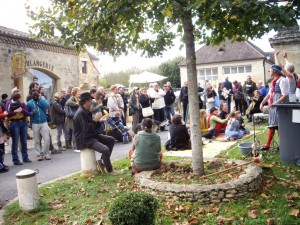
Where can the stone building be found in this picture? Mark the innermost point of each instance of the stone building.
(288, 39)
(233, 60)
(23, 59)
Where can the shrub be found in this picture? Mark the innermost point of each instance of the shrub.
(133, 208)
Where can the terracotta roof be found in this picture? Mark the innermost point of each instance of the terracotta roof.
(227, 52)
(15, 37)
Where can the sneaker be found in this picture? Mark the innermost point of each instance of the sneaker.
(18, 163)
(164, 123)
(55, 151)
(40, 158)
(47, 157)
(76, 150)
(100, 166)
(231, 139)
(113, 173)
(3, 170)
(27, 161)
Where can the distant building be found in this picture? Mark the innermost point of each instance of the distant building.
(233, 60)
(24, 59)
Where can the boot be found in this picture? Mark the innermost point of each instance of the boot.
(59, 145)
(68, 146)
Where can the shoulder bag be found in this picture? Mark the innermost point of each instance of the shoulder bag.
(147, 111)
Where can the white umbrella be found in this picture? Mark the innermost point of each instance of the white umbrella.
(145, 77)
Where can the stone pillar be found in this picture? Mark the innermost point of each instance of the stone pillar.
(288, 39)
(88, 162)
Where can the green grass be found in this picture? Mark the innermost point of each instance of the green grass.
(78, 200)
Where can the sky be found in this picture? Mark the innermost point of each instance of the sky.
(13, 15)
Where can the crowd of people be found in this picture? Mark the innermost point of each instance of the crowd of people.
(97, 118)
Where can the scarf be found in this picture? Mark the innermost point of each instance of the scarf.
(273, 83)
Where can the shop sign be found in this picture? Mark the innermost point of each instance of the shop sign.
(18, 63)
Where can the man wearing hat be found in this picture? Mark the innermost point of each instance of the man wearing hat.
(278, 93)
(86, 135)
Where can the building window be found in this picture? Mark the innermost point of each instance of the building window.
(83, 67)
(210, 74)
(237, 69)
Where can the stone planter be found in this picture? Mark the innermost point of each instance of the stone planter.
(247, 183)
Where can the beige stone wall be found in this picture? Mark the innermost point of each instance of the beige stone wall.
(257, 73)
(92, 75)
(293, 51)
(66, 69)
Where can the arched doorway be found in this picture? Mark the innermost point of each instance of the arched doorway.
(46, 80)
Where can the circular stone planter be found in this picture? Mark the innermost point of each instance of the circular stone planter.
(241, 187)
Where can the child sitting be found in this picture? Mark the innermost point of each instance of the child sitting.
(119, 131)
(232, 131)
(241, 121)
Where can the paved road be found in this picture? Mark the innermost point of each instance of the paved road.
(60, 165)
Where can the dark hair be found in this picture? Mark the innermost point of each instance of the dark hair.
(15, 96)
(147, 124)
(32, 84)
(4, 96)
(177, 119)
(93, 90)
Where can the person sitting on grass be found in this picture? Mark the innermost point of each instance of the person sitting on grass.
(233, 131)
(215, 122)
(207, 132)
(146, 150)
(241, 121)
(179, 136)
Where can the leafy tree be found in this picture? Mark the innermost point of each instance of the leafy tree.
(171, 70)
(151, 26)
(121, 77)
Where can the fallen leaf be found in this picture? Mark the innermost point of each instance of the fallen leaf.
(270, 221)
(295, 213)
(255, 203)
(222, 220)
(253, 213)
(266, 211)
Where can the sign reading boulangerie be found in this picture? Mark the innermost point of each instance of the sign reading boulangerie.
(18, 63)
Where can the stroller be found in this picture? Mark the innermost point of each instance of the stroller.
(118, 130)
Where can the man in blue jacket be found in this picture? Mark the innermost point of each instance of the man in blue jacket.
(37, 108)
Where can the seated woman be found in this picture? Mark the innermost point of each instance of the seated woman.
(215, 122)
(146, 150)
(179, 136)
(207, 132)
(232, 130)
(223, 111)
(254, 106)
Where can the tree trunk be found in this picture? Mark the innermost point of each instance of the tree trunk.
(196, 139)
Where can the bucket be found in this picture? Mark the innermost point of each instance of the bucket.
(246, 148)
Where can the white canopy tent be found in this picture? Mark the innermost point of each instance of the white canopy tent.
(145, 77)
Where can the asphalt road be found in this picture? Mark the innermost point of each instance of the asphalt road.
(60, 165)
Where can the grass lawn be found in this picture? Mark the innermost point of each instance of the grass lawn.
(76, 200)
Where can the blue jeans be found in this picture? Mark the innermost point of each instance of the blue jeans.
(169, 110)
(18, 129)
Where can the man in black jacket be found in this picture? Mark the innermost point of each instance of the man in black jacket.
(86, 135)
(228, 85)
(184, 99)
(169, 101)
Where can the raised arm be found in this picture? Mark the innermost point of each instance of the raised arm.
(277, 58)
